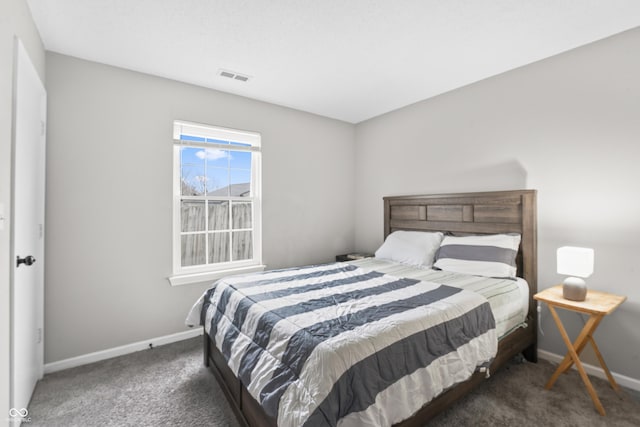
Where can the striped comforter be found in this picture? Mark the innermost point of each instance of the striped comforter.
(340, 345)
(508, 298)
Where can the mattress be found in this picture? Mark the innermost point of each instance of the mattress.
(508, 298)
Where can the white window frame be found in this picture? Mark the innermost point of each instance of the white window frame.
(201, 273)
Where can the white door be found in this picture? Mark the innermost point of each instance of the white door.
(28, 230)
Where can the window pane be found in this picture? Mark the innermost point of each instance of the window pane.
(240, 160)
(192, 172)
(215, 158)
(218, 182)
(242, 245)
(218, 215)
(192, 180)
(193, 249)
(241, 215)
(189, 156)
(191, 138)
(240, 183)
(218, 247)
(192, 215)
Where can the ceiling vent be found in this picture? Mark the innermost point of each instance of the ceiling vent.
(233, 75)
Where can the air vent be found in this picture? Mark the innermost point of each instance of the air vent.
(233, 75)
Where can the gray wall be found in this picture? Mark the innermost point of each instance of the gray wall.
(568, 126)
(15, 21)
(109, 201)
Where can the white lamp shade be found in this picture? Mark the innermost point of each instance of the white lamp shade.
(575, 261)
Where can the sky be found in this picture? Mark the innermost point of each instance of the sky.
(212, 168)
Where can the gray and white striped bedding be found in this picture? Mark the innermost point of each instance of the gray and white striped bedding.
(509, 298)
(338, 344)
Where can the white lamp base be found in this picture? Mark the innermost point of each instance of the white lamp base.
(574, 288)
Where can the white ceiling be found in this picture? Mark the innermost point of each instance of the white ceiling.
(349, 60)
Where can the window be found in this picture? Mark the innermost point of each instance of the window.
(217, 202)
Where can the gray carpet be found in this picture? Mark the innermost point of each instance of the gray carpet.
(168, 386)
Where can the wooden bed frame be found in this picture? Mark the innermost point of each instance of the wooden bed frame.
(458, 214)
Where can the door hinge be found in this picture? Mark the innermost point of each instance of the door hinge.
(43, 127)
(40, 231)
(39, 336)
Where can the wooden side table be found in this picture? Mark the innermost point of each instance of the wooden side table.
(596, 305)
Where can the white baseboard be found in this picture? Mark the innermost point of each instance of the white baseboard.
(119, 351)
(596, 371)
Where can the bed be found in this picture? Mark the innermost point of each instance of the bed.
(466, 214)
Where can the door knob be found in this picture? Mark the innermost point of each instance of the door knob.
(28, 260)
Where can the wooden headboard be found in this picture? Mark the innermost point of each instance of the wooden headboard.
(473, 213)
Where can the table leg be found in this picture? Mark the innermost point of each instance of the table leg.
(581, 342)
(612, 381)
(586, 332)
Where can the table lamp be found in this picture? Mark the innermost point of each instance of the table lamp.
(578, 262)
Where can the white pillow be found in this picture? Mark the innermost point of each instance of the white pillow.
(417, 248)
(492, 255)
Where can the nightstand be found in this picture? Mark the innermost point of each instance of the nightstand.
(352, 257)
(596, 305)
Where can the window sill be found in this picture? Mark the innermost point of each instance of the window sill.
(207, 276)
